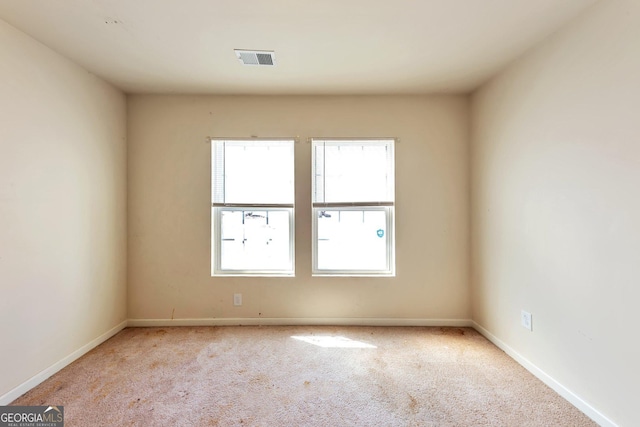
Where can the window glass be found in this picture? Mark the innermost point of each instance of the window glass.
(352, 240)
(254, 240)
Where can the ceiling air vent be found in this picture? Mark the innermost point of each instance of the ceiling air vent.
(256, 57)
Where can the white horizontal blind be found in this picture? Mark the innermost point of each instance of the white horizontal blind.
(250, 172)
(353, 172)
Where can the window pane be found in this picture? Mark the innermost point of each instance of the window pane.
(353, 171)
(352, 240)
(255, 240)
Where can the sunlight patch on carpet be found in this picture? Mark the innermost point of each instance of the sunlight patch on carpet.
(332, 341)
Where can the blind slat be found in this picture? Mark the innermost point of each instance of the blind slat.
(350, 204)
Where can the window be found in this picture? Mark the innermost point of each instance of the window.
(252, 220)
(353, 207)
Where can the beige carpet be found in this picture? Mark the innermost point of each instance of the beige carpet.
(326, 376)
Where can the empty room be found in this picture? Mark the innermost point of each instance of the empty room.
(322, 213)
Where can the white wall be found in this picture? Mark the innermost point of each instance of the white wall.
(556, 207)
(169, 208)
(62, 208)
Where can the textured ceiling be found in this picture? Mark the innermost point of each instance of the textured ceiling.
(322, 46)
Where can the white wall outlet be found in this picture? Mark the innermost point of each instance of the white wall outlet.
(237, 299)
(525, 319)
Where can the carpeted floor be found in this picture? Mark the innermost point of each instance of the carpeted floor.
(301, 376)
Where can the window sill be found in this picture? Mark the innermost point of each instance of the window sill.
(253, 275)
(353, 275)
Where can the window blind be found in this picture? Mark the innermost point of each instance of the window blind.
(353, 173)
(252, 173)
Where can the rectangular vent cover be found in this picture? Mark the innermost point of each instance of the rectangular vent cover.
(256, 57)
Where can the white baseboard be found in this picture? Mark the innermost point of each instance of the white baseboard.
(300, 321)
(573, 398)
(12, 395)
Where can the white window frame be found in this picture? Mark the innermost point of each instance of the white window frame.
(217, 207)
(387, 206)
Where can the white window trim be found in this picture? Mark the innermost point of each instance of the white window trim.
(216, 260)
(389, 208)
(390, 239)
(217, 208)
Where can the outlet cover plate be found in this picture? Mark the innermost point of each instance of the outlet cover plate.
(237, 299)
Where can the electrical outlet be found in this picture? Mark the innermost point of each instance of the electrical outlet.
(525, 319)
(237, 299)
